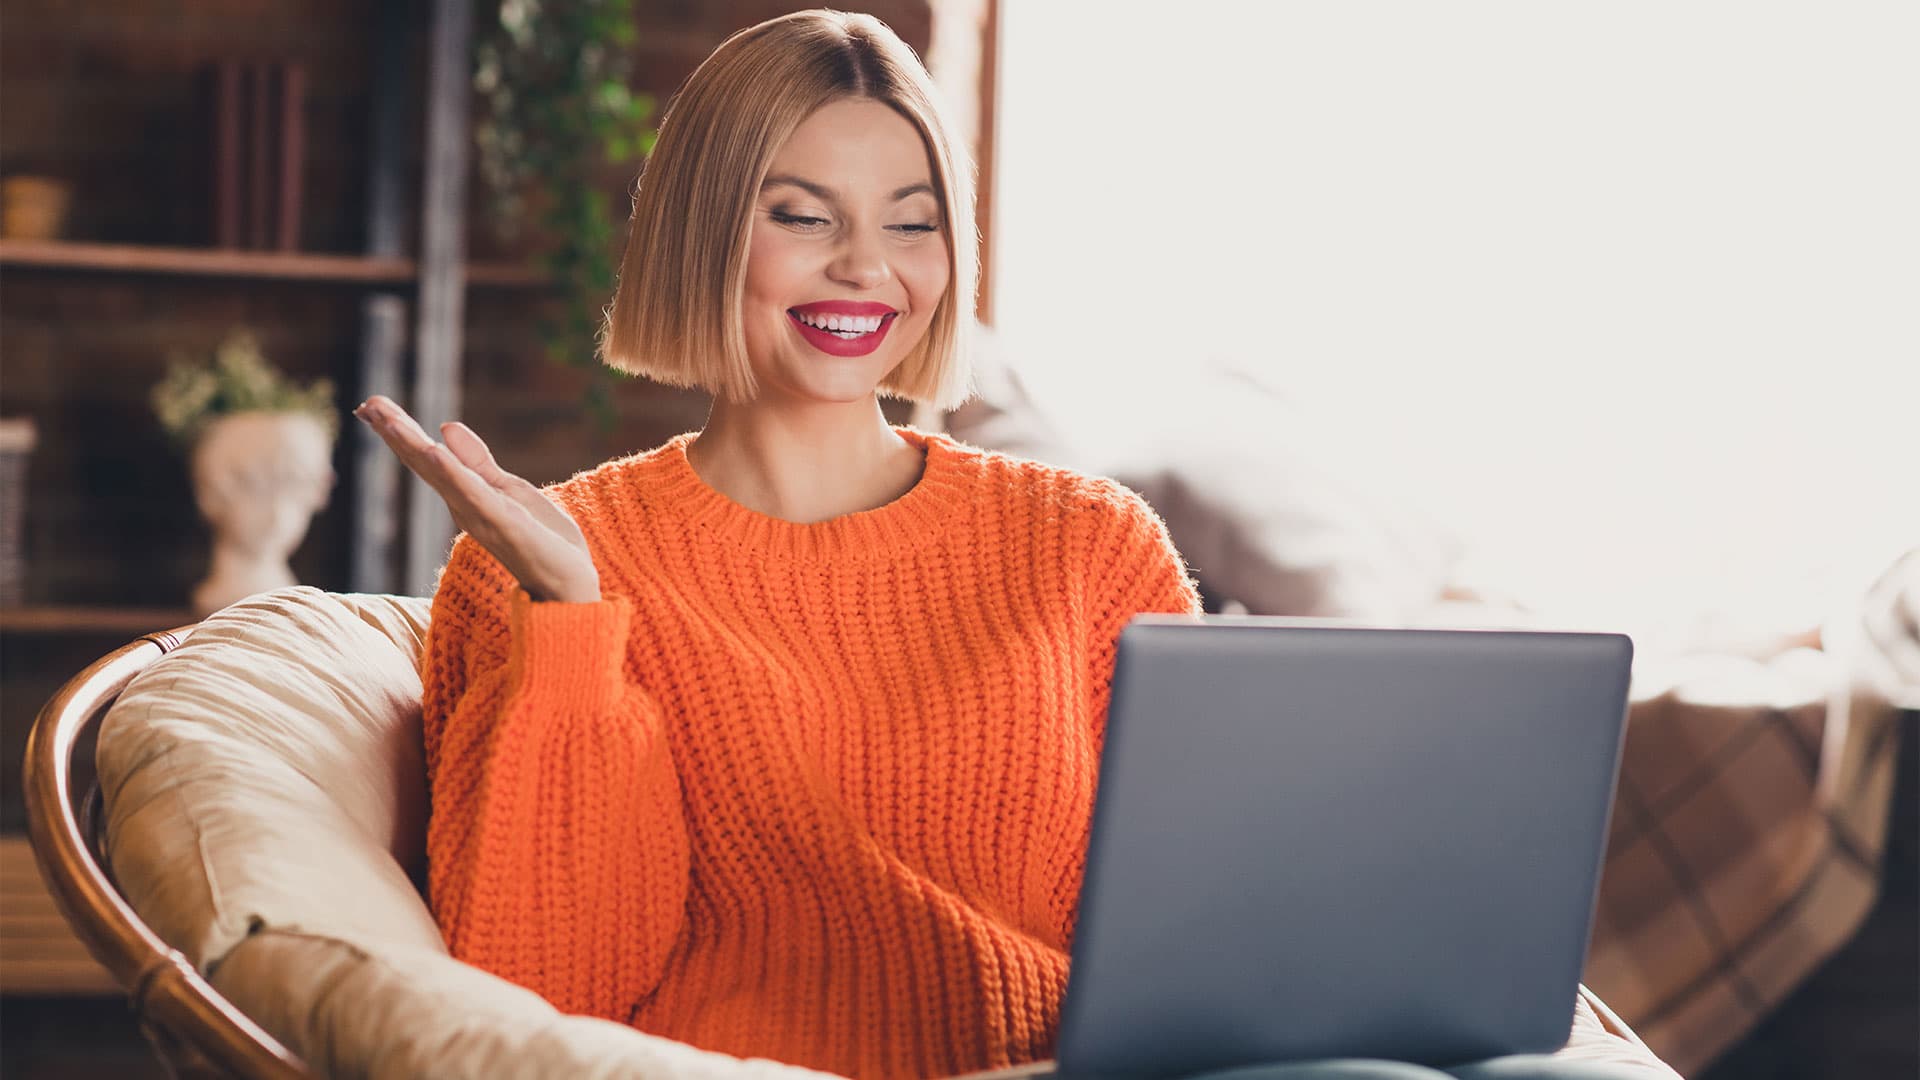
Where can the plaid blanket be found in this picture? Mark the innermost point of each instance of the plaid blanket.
(1750, 822)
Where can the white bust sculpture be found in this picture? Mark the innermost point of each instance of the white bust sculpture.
(259, 477)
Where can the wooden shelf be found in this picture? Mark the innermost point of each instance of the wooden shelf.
(79, 619)
(266, 265)
(38, 952)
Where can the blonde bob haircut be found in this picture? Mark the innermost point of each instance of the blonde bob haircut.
(676, 315)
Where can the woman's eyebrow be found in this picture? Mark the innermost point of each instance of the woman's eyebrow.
(821, 191)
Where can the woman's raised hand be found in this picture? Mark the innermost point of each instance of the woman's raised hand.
(536, 540)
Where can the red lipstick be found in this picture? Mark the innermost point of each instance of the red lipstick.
(835, 344)
(845, 307)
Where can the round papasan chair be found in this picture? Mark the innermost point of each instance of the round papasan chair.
(249, 865)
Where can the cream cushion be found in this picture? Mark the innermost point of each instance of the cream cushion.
(265, 794)
(1275, 507)
(264, 788)
(269, 772)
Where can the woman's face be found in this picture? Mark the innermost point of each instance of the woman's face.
(847, 233)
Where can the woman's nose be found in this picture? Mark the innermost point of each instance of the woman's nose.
(860, 263)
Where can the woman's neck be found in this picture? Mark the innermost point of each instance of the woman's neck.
(804, 466)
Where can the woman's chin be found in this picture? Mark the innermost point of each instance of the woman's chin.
(852, 383)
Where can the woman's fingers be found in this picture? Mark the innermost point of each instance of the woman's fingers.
(464, 473)
(473, 452)
(394, 424)
(406, 439)
(466, 493)
(530, 534)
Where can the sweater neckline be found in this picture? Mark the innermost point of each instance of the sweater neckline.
(918, 517)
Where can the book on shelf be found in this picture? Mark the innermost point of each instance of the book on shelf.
(226, 96)
(256, 119)
(290, 93)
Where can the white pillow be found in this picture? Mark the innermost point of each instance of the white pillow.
(1271, 508)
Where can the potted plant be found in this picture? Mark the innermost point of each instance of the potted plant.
(261, 454)
(551, 77)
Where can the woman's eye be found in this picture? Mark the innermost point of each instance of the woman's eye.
(810, 222)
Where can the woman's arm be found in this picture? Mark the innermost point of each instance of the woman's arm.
(1133, 568)
(556, 845)
(1138, 571)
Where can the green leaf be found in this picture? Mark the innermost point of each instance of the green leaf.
(558, 106)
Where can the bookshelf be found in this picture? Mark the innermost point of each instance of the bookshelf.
(41, 951)
(363, 270)
(129, 622)
(379, 307)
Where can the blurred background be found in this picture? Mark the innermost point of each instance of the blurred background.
(1486, 313)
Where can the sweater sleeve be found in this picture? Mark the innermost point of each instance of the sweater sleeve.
(1132, 568)
(1136, 570)
(556, 843)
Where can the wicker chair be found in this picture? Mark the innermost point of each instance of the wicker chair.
(390, 994)
(195, 1031)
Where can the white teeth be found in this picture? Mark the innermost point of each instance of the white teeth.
(849, 325)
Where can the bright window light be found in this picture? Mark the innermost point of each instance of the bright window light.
(1634, 286)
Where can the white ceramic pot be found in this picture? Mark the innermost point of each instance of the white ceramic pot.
(258, 477)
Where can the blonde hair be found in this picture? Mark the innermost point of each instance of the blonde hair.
(692, 210)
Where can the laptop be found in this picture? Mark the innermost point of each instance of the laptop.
(1315, 839)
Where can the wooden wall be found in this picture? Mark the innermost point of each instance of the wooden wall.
(102, 95)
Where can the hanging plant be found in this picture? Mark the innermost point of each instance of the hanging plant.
(552, 80)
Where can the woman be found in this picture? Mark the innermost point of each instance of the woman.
(780, 739)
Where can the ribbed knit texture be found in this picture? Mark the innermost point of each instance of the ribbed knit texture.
(812, 792)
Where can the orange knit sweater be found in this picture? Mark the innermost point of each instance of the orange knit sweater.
(812, 792)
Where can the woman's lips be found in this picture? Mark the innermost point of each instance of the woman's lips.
(828, 342)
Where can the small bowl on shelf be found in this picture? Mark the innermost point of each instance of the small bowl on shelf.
(33, 207)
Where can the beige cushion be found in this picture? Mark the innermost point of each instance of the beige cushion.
(265, 793)
(404, 1012)
(269, 772)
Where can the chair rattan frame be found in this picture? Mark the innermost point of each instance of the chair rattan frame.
(195, 1031)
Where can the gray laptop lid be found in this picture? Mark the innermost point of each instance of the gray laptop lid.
(1313, 840)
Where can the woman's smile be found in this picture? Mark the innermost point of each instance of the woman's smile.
(843, 327)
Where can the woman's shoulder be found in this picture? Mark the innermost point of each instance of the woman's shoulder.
(1111, 530)
(1052, 487)
(599, 492)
